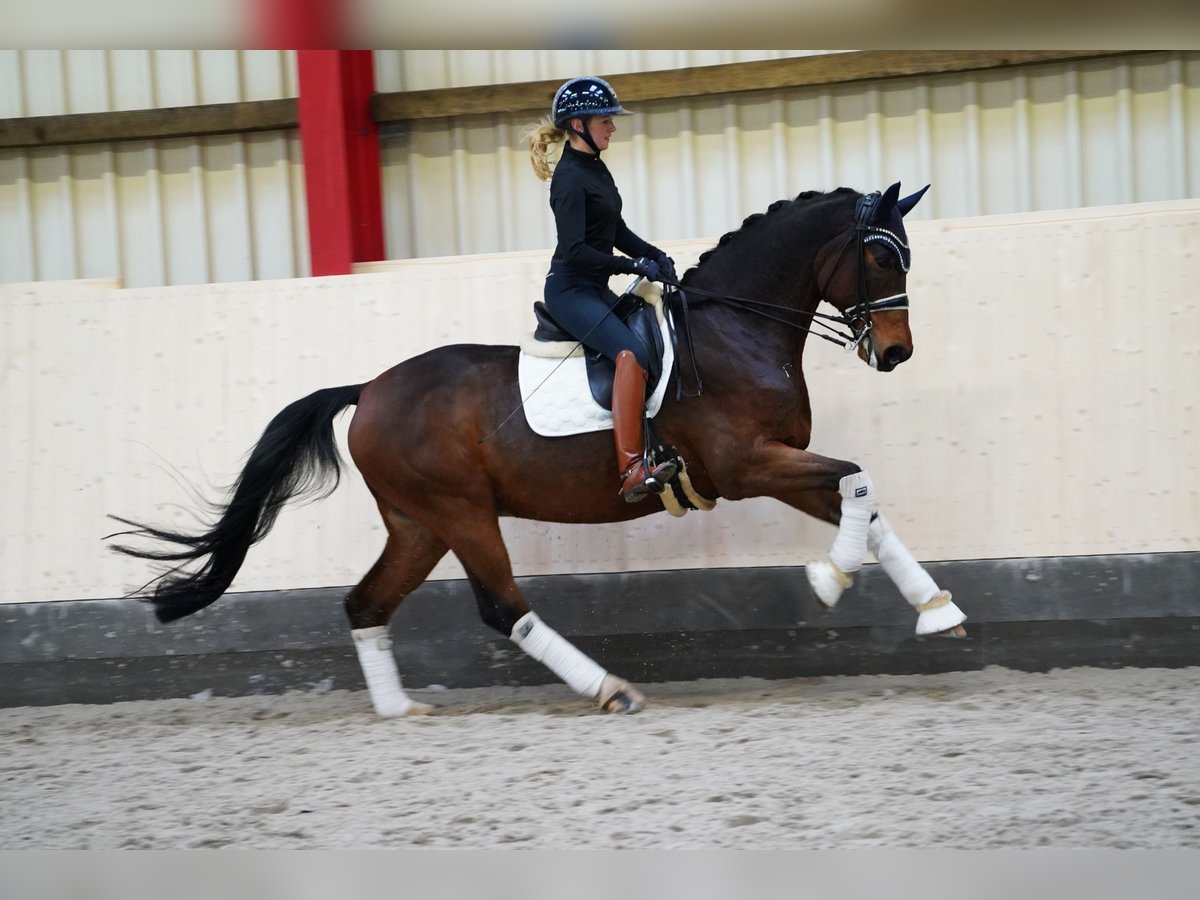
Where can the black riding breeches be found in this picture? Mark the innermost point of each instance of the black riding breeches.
(582, 305)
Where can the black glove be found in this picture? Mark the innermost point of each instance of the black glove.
(666, 267)
(646, 267)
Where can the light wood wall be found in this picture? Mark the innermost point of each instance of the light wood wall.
(1050, 408)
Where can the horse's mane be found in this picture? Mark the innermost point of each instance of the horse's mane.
(806, 198)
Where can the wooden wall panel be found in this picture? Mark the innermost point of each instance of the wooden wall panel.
(1049, 408)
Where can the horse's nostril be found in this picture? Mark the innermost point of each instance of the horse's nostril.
(896, 354)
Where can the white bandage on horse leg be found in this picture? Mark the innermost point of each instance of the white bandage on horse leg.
(581, 673)
(379, 669)
(908, 575)
(937, 611)
(858, 504)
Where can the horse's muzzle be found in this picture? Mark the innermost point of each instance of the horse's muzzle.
(893, 356)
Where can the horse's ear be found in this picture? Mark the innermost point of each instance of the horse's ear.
(882, 212)
(910, 201)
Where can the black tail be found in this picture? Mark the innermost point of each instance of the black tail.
(294, 456)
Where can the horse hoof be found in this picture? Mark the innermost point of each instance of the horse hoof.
(620, 697)
(404, 711)
(940, 616)
(827, 581)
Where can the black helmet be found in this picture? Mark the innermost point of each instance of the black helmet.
(582, 97)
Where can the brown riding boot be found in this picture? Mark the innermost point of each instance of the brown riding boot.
(629, 413)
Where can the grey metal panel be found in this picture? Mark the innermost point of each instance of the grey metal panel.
(1045, 137)
(153, 212)
(54, 82)
(1035, 614)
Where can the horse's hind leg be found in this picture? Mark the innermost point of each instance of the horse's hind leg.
(937, 612)
(408, 557)
(478, 544)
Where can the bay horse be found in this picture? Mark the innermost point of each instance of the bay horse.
(418, 438)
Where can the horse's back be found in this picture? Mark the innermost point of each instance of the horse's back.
(448, 424)
(440, 402)
(445, 375)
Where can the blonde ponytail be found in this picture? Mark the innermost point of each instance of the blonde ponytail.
(541, 138)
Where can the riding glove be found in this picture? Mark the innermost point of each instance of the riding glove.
(647, 268)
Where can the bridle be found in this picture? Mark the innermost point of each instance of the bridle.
(866, 232)
(856, 318)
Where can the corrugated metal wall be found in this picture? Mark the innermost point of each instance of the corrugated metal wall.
(55, 82)
(227, 208)
(1048, 410)
(1043, 137)
(174, 211)
(419, 70)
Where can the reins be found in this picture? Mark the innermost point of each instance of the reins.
(759, 306)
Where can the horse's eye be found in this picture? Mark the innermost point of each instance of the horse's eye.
(886, 259)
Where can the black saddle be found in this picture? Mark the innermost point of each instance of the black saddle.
(634, 312)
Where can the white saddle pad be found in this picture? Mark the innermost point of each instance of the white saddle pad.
(554, 390)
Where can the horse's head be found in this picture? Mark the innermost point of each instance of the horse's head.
(863, 275)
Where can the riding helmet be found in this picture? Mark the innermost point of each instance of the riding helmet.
(583, 97)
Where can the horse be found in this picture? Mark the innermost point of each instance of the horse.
(437, 445)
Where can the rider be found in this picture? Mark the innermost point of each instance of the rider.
(587, 215)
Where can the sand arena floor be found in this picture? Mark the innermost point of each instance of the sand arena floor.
(1073, 758)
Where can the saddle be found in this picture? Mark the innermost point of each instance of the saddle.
(635, 312)
(555, 403)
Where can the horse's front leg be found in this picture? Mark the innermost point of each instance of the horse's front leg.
(775, 469)
(936, 611)
(790, 475)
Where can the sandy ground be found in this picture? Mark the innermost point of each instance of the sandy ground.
(1074, 758)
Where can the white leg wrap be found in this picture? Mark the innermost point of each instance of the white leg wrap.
(379, 668)
(909, 576)
(858, 504)
(582, 674)
(937, 610)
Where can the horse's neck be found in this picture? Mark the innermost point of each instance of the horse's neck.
(773, 264)
(742, 330)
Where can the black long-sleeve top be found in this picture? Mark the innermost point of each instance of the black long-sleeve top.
(587, 213)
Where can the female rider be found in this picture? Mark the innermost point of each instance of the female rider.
(587, 216)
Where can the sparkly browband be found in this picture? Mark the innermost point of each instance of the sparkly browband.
(893, 240)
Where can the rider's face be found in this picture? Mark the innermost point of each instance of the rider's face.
(600, 128)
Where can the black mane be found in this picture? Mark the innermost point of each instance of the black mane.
(804, 197)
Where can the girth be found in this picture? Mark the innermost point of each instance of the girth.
(642, 320)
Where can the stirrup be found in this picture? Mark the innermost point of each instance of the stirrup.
(653, 481)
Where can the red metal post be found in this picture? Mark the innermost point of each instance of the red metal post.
(279, 24)
(341, 159)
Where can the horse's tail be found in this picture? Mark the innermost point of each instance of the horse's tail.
(296, 455)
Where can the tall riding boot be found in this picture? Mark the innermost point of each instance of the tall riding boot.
(629, 413)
